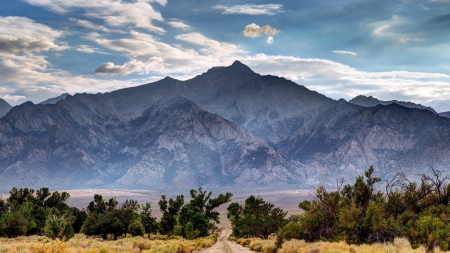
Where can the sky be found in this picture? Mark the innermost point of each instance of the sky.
(389, 49)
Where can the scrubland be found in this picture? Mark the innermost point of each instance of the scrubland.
(82, 244)
(399, 245)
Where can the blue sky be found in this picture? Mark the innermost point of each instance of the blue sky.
(388, 49)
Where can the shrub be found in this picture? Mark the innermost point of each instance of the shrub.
(136, 229)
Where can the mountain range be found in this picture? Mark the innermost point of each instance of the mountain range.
(228, 127)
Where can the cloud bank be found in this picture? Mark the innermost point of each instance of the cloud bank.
(20, 34)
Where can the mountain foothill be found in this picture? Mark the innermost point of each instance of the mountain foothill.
(228, 127)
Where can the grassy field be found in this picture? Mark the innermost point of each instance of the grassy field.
(81, 244)
(400, 245)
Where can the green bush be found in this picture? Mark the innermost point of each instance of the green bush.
(136, 229)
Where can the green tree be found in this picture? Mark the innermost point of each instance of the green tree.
(147, 221)
(80, 217)
(170, 210)
(110, 218)
(200, 211)
(256, 218)
(59, 225)
(136, 229)
(13, 224)
(191, 234)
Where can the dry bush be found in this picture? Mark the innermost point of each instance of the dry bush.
(400, 245)
(81, 244)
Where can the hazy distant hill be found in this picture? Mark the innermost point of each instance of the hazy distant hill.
(55, 99)
(371, 101)
(226, 127)
(4, 107)
(445, 114)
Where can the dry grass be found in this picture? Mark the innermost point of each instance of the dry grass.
(400, 245)
(81, 244)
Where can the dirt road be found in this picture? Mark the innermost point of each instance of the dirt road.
(224, 246)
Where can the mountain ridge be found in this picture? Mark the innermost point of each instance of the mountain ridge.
(228, 127)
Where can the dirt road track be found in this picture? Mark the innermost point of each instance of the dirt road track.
(224, 246)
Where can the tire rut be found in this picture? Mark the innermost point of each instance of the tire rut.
(224, 246)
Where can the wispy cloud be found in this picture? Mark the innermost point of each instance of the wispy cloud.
(251, 9)
(390, 29)
(344, 52)
(179, 24)
(89, 50)
(211, 47)
(139, 13)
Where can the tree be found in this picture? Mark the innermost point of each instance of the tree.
(13, 224)
(107, 218)
(19, 196)
(57, 200)
(191, 234)
(200, 211)
(256, 218)
(136, 229)
(170, 211)
(128, 214)
(59, 225)
(147, 221)
(80, 217)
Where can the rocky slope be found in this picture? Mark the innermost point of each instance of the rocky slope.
(392, 138)
(84, 142)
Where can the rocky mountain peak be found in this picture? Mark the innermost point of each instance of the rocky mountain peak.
(235, 69)
(237, 65)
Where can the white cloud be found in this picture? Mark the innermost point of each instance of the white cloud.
(154, 64)
(338, 80)
(15, 98)
(212, 47)
(254, 30)
(179, 25)
(28, 77)
(251, 9)
(89, 50)
(141, 47)
(115, 13)
(344, 52)
(88, 24)
(269, 40)
(22, 34)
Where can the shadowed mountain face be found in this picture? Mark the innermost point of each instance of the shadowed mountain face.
(226, 127)
(371, 101)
